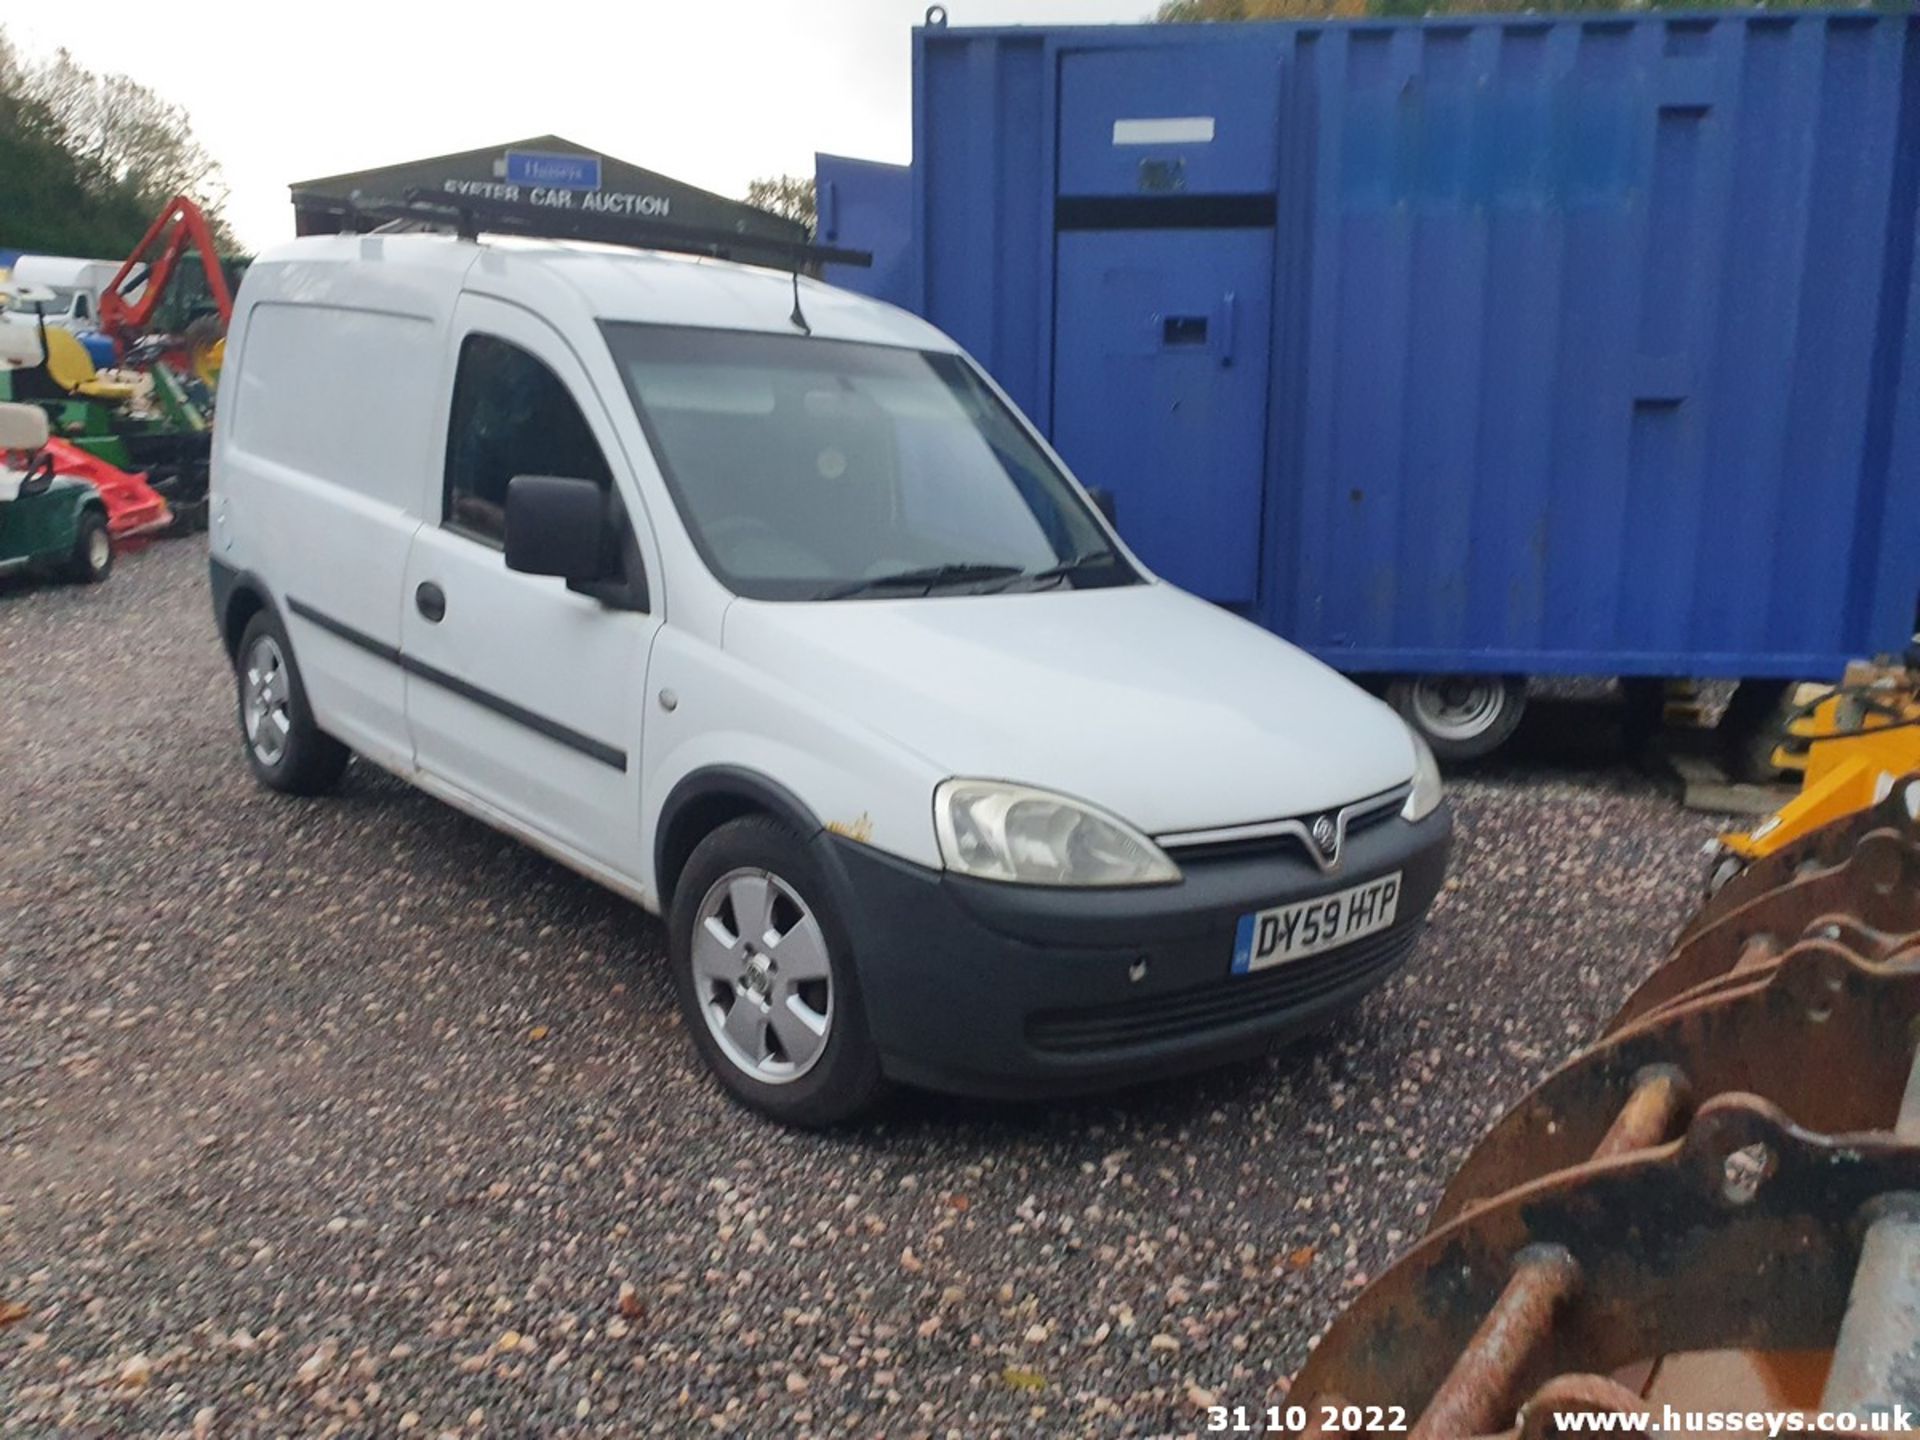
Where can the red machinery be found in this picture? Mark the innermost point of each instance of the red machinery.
(150, 267)
(133, 506)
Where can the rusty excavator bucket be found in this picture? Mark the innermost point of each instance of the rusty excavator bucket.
(1715, 1205)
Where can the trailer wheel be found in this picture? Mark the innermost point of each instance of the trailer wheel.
(1461, 717)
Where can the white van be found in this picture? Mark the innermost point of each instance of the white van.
(76, 285)
(757, 602)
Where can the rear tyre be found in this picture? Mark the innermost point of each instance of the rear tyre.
(285, 750)
(765, 977)
(1461, 717)
(92, 558)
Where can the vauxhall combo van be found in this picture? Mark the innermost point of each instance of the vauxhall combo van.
(760, 604)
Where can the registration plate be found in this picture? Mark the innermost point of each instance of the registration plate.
(1307, 927)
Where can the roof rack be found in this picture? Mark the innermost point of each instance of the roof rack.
(470, 217)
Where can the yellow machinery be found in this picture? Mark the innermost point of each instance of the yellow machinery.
(1852, 744)
(73, 370)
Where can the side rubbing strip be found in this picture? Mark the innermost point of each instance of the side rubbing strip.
(347, 633)
(540, 724)
(595, 749)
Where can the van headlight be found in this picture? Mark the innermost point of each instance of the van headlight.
(1427, 789)
(997, 831)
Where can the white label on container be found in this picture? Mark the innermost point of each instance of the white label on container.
(1165, 130)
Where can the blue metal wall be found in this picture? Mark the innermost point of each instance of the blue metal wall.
(1595, 343)
(874, 202)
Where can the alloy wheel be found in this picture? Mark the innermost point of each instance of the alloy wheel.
(266, 700)
(762, 976)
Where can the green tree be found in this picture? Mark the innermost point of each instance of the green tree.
(87, 160)
(790, 196)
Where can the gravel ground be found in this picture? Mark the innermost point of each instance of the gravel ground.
(353, 1117)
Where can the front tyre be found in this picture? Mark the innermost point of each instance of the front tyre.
(91, 560)
(285, 749)
(765, 977)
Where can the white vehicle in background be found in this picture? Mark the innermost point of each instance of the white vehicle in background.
(67, 290)
(19, 342)
(758, 602)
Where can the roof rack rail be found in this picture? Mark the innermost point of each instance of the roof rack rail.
(470, 217)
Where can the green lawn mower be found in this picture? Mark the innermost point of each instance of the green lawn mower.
(154, 416)
(50, 524)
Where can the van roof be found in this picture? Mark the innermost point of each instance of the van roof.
(607, 282)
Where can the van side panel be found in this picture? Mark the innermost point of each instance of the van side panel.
(372, 378)
(328, 428)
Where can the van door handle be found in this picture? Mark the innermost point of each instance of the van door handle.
(431, 601)
(1227, 308)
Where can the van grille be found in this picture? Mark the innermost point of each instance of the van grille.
(1255, 847)
(1230, 1001)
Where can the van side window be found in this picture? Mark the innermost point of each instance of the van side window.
(511, 416)
(82, 307)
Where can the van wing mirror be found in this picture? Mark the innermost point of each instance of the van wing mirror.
(560, 526)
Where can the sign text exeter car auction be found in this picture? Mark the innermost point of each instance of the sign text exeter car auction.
(596, 202)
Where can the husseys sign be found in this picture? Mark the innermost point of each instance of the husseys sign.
(561, 182)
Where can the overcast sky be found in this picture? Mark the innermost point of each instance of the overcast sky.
(713, 92)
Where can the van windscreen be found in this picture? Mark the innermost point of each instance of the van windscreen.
(811, 469)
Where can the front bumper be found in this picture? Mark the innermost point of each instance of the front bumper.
(990, 989)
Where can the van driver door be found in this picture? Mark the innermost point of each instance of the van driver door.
(523, 696)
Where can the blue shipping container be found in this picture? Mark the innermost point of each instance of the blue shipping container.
(1507, 344)
(874, 201)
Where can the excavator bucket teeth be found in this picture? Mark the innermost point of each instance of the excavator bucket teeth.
(1715, 1204)
(1821, 1034)
(1594, 1269)
(1878, 883)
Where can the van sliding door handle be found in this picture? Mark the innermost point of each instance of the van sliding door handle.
(1227, 307)
(431, 601)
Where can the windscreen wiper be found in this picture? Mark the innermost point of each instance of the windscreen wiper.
(1102, 555)
(926, 577)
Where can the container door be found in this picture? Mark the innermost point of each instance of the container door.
(1160, 393)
